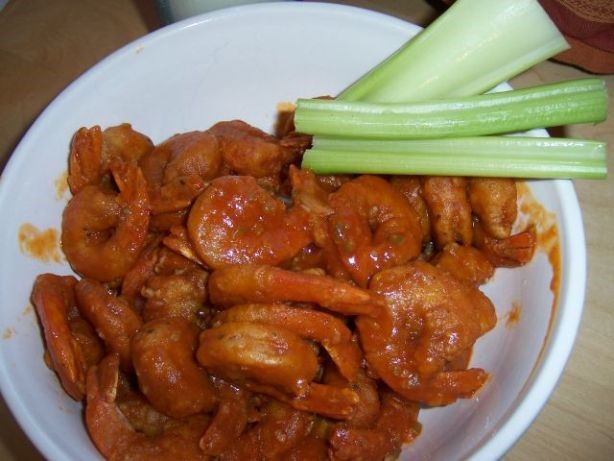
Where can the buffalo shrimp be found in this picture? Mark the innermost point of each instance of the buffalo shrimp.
(175, 295)
(178, 169)
(246, 283)
(373, 227)
(449, 209)
(103, 233)
(235, 221)
(241, 351)
(116, 438)
(92, 151)
(168, 375)
(493, 201)
(278, 431)
(113, 318)
(247, 150)
(512, 251)
(430, 319)
(396, 424)
(71, 343)
(275, 361)
(323, 328)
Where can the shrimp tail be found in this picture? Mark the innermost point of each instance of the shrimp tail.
(108, 427)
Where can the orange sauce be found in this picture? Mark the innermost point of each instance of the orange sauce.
(547, 234)
(8, 333)
(43, 245)
(61, 185)
(29, 310)
(548, 242)
(513, 315)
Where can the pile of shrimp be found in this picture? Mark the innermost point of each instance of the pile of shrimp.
(229, 305)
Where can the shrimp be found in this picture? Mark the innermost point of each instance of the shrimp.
(279, 430)
(449, 209)
(493, 200)
(307, 191)
(138, 411)
(430, 319)
(54, 300)
(179, 241)
(102, 233)
(373, 227)
(465, 263)
(175, 295)
(143, 268)
(368, 407)
(178, 169)
(314, 447)
(323, 328)
(92, 151)
(396, 424)
(246, 150)
(336, 402)
(123, 143)
(240, 351)
(117, 439)
(170, 262)
(162, 222)
(168, 375)
(267, 284)
(411, 188)
(513, 251)
(85, 159)
(112, 317)
(235, 221)
(229, 421)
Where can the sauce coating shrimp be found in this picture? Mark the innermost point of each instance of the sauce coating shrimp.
(168, 375)
(268, 284)
(279, 430)
(85, 159)
(411, 188)
(247, 150)
(178, 169)
(53, 298)
(175, 295)
(368, 407)
(92, 151)
(373, 227)
(513, 251)
(112, 317)
(273, 356)
(465, 263)
(125, 144)
(429, 321)
(117, 439)
(104, 233)
(396, 424)
(449, 209)
(235, 221)
(323, 328)
(230, 419)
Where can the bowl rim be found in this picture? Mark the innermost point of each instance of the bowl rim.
(548, 368)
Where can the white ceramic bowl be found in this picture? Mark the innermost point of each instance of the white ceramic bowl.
(239, 63)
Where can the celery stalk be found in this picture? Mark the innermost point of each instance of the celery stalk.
(472, 47)
(504, 156)
(575, 101)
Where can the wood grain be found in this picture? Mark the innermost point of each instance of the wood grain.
(45, 45)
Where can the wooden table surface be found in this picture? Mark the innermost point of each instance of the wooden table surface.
(44, 45)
